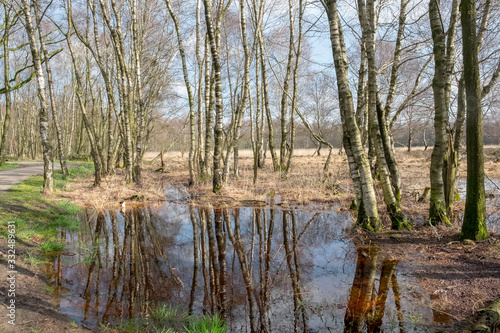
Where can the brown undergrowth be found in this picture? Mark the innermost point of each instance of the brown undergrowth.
(306, 186)
(114, 190)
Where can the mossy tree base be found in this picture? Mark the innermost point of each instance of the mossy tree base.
(354, 205)
(398, 219)
(473, 231)
(437, 214)
(367, 222)
(488, 319)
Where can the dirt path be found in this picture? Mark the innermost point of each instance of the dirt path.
(11, 177)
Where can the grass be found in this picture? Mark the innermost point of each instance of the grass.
(9, 166)
(170, 319)
(51, 246)
(113, 190)
(33, 259)
(48, 289)
(40, 218)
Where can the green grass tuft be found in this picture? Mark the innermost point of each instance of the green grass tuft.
(171, 319)
(9, 166)
(213, 324)
(51, 246)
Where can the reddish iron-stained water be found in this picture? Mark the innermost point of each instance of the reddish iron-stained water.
(269, 268)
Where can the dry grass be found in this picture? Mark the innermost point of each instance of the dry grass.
(114, 190)
(306, 185)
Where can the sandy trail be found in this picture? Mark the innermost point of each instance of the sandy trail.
(11, 177)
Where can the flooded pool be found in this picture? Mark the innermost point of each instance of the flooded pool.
(263, 269)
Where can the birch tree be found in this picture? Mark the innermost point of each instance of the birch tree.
(192, 136)
(50, 82)
(48, 180)
(378, 126)
(359, 166)
(444, 50)
(219, 108)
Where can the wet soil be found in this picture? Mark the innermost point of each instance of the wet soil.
(460, 278)
(36, 310)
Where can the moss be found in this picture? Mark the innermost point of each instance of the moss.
(437, 213)
(398, 219)
(367, 223)
(137, 197)
(354, 205)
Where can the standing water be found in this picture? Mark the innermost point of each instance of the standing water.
(261, 269)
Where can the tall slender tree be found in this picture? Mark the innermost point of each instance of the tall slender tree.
(182, 53)
(474, 225)
(48, 180)
(219, 107)
(368, 216)
(444, 50)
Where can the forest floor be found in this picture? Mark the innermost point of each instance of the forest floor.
(462, 278)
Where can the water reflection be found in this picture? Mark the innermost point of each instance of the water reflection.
(367, 305)
(261, 269)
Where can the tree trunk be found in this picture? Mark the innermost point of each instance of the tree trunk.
(137, 46)
(94, 150)
(443, 60)
(295, 83)
(488, 319)
(376, 119)
(219, 108)
(367, 215)
(269, 118)
(242, 103)
(43, 49)
(192, 141)
(6, 71)
(284, 98)
(474, 225)
(48, 181)
(209, 102)
(201, 62)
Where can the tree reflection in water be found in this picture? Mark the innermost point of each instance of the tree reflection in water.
(261, 269)
(366, 306)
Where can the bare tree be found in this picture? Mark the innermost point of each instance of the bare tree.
(360, 168)
(48, 180)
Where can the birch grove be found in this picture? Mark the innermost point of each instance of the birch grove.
(116, 79)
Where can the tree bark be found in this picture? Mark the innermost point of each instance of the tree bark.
(242, 103)
(219, 108)
(139, 102)
(376, 118)
(367, 215)
(57, 126)
(474, 224)
(192, 135)
(6, 72)
(48, 181)
(443, 62)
